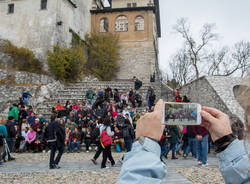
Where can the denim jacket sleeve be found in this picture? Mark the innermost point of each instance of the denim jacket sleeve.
(235, 164)
(142, 164)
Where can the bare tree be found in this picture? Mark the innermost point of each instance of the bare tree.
(195, 49)
(226, 62)
(217, 62)
(241, 55)
(181, 67)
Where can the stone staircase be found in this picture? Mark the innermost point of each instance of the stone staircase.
(76, 92)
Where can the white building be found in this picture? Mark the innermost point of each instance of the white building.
(40, 24)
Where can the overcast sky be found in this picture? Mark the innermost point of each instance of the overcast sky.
(232, 19)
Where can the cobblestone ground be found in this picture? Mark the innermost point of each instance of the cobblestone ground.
(77, 168)
(200, 175)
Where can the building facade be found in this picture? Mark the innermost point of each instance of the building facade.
(40, 24)
(137, 23)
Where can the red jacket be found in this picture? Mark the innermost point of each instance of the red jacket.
(75, 107)
(199, 130)
(114, 114)
(59, 107)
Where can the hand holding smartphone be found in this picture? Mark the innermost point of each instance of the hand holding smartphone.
(181, 113)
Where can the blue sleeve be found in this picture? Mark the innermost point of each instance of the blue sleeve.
(142, 164)
(4, 131)
(235, 164)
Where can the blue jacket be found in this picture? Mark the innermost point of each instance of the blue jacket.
(143, 165)
(235, 163)
(26, 95)
(3, 131)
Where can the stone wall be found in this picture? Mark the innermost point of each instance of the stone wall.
(138, 61)
(13, 83)
(167, 93)
(138, 48)
(39, 30)
(215, 92)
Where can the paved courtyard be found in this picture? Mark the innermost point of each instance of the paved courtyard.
(77, 168)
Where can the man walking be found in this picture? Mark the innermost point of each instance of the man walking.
(56, 142)
(202, 144)
(10, 138)
(191, 142)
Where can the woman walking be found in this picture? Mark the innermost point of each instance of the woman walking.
(106, 134)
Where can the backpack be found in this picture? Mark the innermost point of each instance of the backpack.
(106, 140)
(118, 148)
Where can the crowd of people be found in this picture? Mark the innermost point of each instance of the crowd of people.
(104, 118)
(83, 122)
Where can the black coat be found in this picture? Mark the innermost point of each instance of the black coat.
(56, 134)
(174, 134)
(138, 84)
(128, 131)
(190, 132)
(46, 133)
(60, 136)
(22, 115)
(10, 129)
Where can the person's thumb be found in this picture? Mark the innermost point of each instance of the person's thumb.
(208, 117)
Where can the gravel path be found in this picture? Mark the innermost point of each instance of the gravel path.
(77, 168)
(202, 175)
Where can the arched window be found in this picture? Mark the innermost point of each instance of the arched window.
(139, 23)
(104, 25)
(121, 23)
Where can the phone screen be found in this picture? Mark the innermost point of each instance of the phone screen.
(181, 114)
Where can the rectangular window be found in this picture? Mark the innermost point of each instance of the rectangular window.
(43, 4)
(10, 8)
(129, 5)
(134, 4)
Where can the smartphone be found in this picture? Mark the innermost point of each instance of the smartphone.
(181, 113)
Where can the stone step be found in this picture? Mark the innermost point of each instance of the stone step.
(84, 90)
(45, 109)
(111, 83)
(78, 96)
(77, 88)
(76, 92)
(53, 102)
(47, 112)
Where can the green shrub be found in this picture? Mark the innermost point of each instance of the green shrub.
(103, 55)
(67, 64)
(23, 59)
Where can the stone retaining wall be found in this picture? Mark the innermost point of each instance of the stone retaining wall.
(215, 92)
(13, 83)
